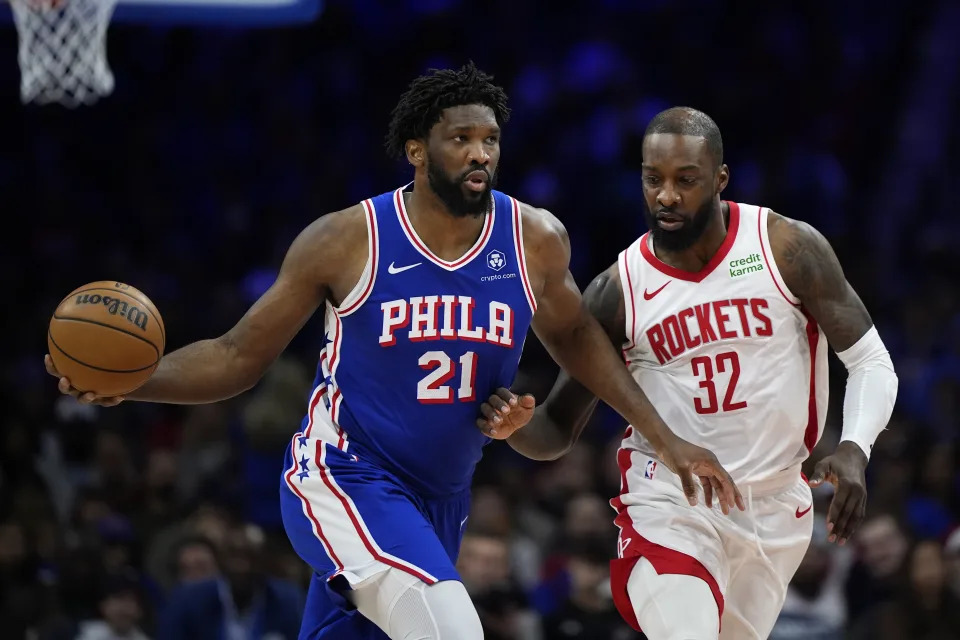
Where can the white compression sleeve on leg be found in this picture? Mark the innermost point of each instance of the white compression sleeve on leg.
(871, 390)
(406, 608)
(672, 606)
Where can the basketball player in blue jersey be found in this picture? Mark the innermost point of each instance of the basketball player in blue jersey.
(428, 292)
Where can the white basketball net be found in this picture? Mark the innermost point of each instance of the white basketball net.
(63, 50)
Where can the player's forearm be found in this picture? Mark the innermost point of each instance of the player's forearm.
(871, 391)
(557, 423)
(587, 354)
(199, 373)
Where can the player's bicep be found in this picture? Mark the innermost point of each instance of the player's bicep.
(278, 315)
(811, 270)
(559, 303)
(603, 299)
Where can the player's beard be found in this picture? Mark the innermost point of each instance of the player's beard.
(685, 236)
(460, 202)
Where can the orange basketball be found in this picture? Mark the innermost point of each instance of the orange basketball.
(106, 337)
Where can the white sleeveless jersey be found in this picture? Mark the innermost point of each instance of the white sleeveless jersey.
(727, 355)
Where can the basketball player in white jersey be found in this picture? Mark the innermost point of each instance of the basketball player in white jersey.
(723, 312)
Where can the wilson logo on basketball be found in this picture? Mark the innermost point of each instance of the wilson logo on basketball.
(116, 306)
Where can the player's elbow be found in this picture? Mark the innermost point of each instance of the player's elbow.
(241, 366)
(539, 451)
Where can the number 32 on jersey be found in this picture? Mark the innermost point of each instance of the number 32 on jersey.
(433, 388)
(709, 371)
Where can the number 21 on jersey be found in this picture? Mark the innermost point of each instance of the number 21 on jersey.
(432, 388)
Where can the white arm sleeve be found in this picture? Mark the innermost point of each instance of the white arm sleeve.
(871, 390)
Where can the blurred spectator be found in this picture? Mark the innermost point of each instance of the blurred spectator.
(241, 604)
(120, 613)
(588, 612)
(484, 567)
(925, 607)
(196, 560)
(876, 575)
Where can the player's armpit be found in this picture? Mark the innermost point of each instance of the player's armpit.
(810, 270)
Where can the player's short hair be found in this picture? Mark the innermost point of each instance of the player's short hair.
(427, 96)
(687, 121)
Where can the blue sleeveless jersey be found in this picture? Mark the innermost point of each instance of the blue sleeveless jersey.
(419, 345)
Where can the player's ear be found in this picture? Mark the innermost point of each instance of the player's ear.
(416, 153)
(723, 177)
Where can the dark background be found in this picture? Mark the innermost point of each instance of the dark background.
(218, 146)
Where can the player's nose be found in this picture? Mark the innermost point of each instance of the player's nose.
(478, 154)
(668, 196)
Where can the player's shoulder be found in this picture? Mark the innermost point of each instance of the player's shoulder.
(790, 234)
(337, 228)
(331, 239)
(540, 226)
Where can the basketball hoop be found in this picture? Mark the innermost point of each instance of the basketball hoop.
(63, 50)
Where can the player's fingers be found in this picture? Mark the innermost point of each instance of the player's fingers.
(833, 512)
(49, 366)
(689, 486)
(859, 514)
(729, 492)
(111, 402)
(507, 396)
(725, 506)
(499, 404)
(66, 388)
(490, 414)
(705, 482)
(87, 398)
(486, 427)
(844, 504)
(820, 473)
(527, 401)
(849, 517)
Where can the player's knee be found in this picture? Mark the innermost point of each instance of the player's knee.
(441, 611)
(672, 606)
(455, 614)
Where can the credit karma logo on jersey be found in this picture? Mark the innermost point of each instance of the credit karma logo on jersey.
(497, 260)
(743, 266)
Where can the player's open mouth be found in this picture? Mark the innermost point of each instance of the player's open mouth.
(476, 180)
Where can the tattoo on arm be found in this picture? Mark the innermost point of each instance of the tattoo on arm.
(810, 270)
(604, 298)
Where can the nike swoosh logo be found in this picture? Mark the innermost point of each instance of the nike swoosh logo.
(800, 514)
(649, 296)
(392, 269)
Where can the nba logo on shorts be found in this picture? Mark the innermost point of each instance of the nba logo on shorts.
(651, 468)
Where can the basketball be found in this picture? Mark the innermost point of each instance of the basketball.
(106, 337)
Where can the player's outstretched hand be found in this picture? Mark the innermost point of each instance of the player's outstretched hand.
(504, 412)
(845, 471)
(687, 460)
(67, 389)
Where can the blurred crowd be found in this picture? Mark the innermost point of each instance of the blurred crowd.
(218, 146)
